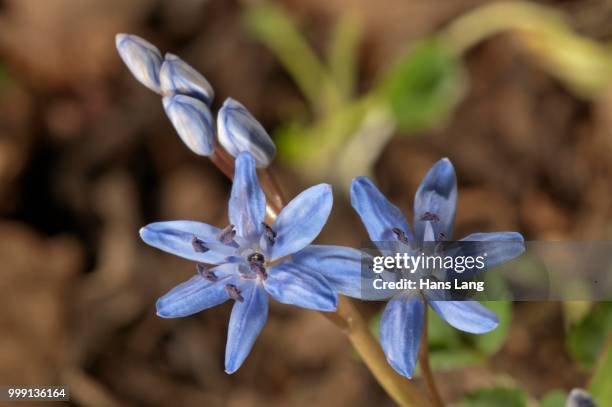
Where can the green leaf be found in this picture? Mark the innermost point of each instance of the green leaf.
(424, 86)
(271, 25)
(342, 55)
(600, 387)
(555, 398)
(586, 339)
(496, 396)
(492, 342)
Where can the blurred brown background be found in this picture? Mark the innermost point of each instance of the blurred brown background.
(87, 156)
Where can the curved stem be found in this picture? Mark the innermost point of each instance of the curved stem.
(425, 366)
(347, 318)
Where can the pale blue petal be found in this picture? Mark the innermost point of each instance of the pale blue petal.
(247, 319)
(468, 316)
(301, 221)
(176, 237)
(196, 294)
(497, 248)
(247, 205)
(436, 200)
(142, 58)
(192, 121)
(378, 215)
(178, 77)
(401, 326)
(290, 283)
(342, 267)
(239, 131)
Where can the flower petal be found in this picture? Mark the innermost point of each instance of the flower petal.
(192, 121)
(342, 268)
(176, 237)
(379, 216)
(401, 325)
(239, 131)
(247, 319)
(290, 283)
(195, 295)
(301, 221)
(436, 201)
(500, 247)
(247, 205)
(178, 77)
(142, 58)
(468, 316)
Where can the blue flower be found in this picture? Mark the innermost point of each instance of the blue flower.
(142, 58)
(239, 131)
(247, 261)
(434, 212)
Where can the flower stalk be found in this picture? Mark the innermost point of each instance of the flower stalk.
(426, 371)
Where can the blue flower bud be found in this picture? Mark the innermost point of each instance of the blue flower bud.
(178, 77)
(142, 58)
(238, 131)
(193, 122)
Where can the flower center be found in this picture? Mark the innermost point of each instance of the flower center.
(256, 262)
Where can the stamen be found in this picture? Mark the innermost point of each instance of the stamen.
(269, 233)
(441, 236)
(428, 216)
(234, 292)
(401, 236)
(206, 272)
(256, 263)
(198, 245)
(226, 236)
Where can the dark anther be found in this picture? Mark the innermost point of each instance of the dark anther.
(226, 236)
(206, 272)
(401, 236)
(441, 236)
(430, 217)
(198, 245)
(256, 263)
(270, 233)
(233, 292)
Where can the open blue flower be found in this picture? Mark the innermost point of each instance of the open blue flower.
(247, 261)
(434, 213)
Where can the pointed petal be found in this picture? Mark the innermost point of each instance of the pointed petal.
(192, 121)
(467, 316)
(342, 268)
(437, 198)
(379, 216)
(401, 325)
(176, 237)
(178, 77)
(301, 221)
(239, 131)
(195, 294)
(142, 58)
(247, 205)
(247, 319)
(290, 283)
(500, 247)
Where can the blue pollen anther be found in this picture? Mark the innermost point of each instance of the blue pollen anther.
(206, 272)
(234, 292)
(401, 236)
(270, 233)
(198, 245)
(226, 236)
(428, 216)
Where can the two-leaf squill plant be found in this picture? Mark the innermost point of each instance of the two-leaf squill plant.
(259, 256)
